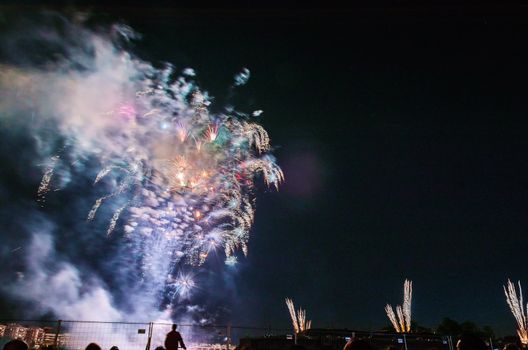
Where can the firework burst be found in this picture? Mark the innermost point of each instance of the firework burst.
(515, 302)
(180, 181)
(401, 321)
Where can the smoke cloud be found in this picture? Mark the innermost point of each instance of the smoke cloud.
(119, 181)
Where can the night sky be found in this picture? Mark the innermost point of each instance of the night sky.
(401, 129)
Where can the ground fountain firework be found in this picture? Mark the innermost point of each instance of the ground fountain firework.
(178, 179)
(516, 304)
(298, 318)
(401, 321)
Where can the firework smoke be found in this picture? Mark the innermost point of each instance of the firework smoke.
(515, 302)
(174, 180)
(401, 321)
(299, 322)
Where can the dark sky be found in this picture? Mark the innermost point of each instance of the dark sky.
(401, 129)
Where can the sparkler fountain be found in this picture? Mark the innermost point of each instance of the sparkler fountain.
(401, 321)
(299, 322)
(515, 302)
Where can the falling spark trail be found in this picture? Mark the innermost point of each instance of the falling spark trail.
(44, 186)
(114, 219)
(515, 302)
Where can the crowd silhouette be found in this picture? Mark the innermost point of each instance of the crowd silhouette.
(174, 341)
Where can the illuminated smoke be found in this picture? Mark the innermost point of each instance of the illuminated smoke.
(515, 302)
(175, 179)
(401, 321)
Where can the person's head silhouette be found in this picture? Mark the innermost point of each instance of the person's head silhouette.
(93, 346)
(15, 344)
(357, 344)
(174, 326)
(470, 342)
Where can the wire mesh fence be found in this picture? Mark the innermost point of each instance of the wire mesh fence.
(195, 336)
(76, 335)
(332, 339)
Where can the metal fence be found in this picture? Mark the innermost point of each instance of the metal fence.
(76, 335)
(332, 339)
(407, 341)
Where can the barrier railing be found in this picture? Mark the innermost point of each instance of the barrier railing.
(76, 335)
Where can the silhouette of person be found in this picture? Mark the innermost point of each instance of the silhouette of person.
(357, 344)
(114, 348)
(93, 346)
(173, 339)
(297, 347)
(471, 342)
(510, 346)
(15, 344)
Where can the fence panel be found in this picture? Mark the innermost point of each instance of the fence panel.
(126, 336)
(196, 337)
(255, 338)
(76, 335)
(405, 342)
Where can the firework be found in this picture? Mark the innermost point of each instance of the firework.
(179, 180)
(183, 285)
(407, 301)
(44, 186)
(300, 324)
(392, 318)
(401, 321)
(515, 302)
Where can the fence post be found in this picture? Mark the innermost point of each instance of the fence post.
(56, 340)
(228, 336)
(151, 325)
